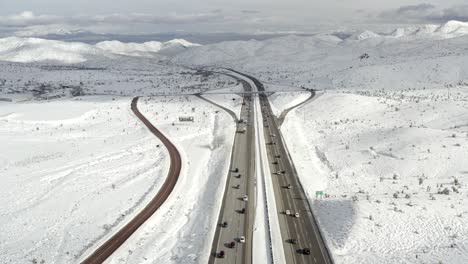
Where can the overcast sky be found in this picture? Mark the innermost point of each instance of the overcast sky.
(252, 16)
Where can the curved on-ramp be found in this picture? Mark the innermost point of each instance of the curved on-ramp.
(229, 111)
(283, 114)
(112, 244)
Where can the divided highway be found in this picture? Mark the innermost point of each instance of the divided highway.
(111, 245)
(302, 240)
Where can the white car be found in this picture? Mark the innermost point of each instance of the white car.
(287, 212)
(245, 198)
(296, 215)
(242, 239)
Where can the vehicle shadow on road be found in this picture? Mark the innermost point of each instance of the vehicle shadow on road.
(336, 219)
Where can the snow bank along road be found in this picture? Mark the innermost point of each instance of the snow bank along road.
(106, 249)
(283, 114)
(240, 182)
(302, 232)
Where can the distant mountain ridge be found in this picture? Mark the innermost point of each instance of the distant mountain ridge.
(17, 49)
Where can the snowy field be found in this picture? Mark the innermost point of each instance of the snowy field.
(74, 172)
(79, 164)
(394, 168)
(182, 230)
(387, 140)
(87, 170)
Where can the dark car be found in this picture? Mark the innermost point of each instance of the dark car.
(225, 224)
(221, 254)
(242, 211)
(306, 251)
(232, 244)
(236, 170)
(293, 241)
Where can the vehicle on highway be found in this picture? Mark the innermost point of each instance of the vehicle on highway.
(306, 251)
(225, 224)
(287, 212)
(275, 162)
(277, 156)
(238, 176)
(238, 186)
(293, 241)
(232, 244)
(245, 198)
(221, 254)
(242, 211)
(289, 186)
(273, 135)
(296, 215)
(236, 170)
(242, 239)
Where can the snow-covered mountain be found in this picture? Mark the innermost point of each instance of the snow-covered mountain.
(362, 60)
(16, 49)
(451, 29)
(146, 49)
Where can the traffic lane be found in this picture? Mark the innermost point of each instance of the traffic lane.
(283, 220)
(237, 195)
(304, 238)
(231, 208)
(297, 226)
(289, 223)
(250, 186)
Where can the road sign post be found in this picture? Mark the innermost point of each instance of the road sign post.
(318, 194)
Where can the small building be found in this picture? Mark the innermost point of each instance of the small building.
(186, 118)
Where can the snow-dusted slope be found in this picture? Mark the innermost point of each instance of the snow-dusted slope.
(16, 49)
(362, 61)
(146, 49)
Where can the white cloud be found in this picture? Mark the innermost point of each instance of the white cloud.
(27, 18)
(425, 12)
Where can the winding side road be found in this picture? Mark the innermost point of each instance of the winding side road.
(111, 245)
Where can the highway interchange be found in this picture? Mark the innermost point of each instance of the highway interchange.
(298, 233)
(302, 241)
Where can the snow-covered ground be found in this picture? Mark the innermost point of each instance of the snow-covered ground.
(182, 230)
(383, 158)
(79, 163)
(73, 171)
(389, 133)
(395, 104)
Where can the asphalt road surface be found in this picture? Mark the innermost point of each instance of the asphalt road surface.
(303, 229)
(111, 245)
(239, 183)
